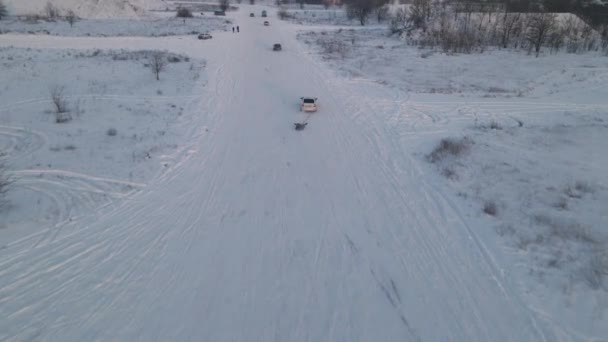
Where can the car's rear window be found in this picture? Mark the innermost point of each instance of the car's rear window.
(309, 101)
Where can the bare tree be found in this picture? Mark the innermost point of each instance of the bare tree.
(301, 3)
(51, 11)
(158, 64)
(71, 17)
(510, 22)
(60, 102)
(400, 21)
(3, 10)
(361, 9)
(381, 13)
(420, 13)
(540, 27)
(252, 2)
(224, 4)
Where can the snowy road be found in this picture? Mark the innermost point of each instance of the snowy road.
(267, 234)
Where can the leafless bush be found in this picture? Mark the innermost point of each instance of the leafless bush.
(60, 103)
(420, 13)
(597, 270)
(449, 173)
(173, 59)
(579, 189)
(490, 208)
(495, 125)
(283, 14)
(564, 230)
(5, 181)
(157, 63)
(183, 12)
(449, 147)
(334, 47)
(51, 11)
(381, 13)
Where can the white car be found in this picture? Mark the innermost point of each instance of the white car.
(309, 104)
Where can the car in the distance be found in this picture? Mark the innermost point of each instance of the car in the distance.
(309, 104)
(251, 15)
(266, 23)
(204, 36)
(264, 14)
(277, 47)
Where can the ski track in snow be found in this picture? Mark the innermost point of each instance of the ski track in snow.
(261, 233)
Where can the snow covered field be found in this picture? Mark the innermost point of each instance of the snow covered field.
(520, 142)
(144, 27)
(363, 227)
(373, 54)
(123, 130)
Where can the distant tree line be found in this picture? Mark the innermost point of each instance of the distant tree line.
(472, 26)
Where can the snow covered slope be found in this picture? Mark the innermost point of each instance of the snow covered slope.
(87, 8)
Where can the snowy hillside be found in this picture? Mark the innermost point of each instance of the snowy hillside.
(87, 8)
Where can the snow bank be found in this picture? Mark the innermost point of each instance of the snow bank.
(87, 8)
(116, 27)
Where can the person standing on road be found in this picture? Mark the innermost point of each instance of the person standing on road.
(237, 29)
(232, 29)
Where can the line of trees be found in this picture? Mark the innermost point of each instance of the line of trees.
(3, 10)
(462, 26)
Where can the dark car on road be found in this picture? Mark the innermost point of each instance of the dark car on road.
(277, 47)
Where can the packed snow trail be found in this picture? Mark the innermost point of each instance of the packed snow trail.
(267, 234)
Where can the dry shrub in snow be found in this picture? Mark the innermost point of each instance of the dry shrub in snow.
(112, 132)
(490, 208)
(282, 14)
(596, 271)
(334, 47)
(5, 181)
(579, 189)
(60, 104)
(450, 147)
(183, 12)
(567, 231)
